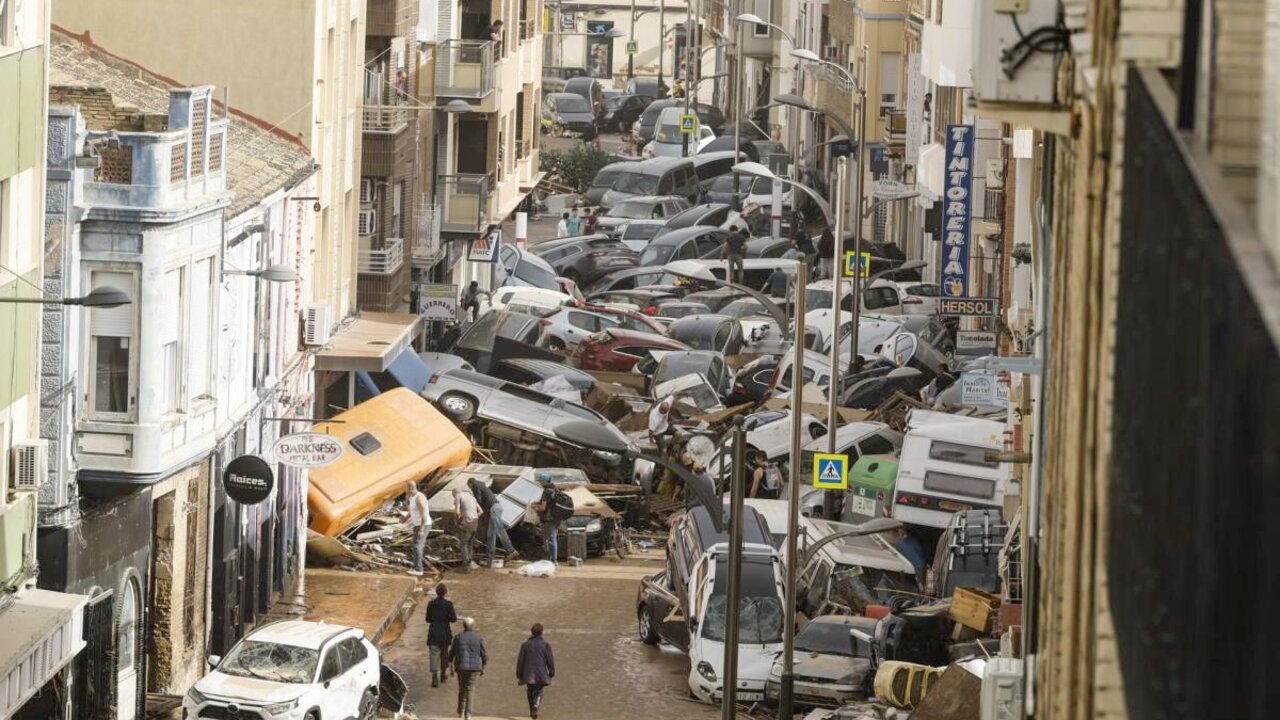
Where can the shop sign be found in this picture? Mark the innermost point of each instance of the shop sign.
(308, 449)
(957, 207)
(248, 480)
(438, 302)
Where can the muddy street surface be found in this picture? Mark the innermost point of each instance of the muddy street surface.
(602, 668)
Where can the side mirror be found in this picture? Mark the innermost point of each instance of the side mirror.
(214, 660)
(326, 684)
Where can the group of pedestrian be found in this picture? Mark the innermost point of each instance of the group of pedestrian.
(468, 657)
(572, 224)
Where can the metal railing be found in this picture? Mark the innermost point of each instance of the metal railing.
(464, 202)
(993, 205)
(464, 68)
(426, 241)
(384, 261)
(895, 123)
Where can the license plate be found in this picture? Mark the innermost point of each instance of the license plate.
(954, 506)
(750, 695)
(862, 505)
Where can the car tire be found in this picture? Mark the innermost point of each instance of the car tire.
(648, 631)
(313, 715)
(458, 406)
(555, 344)
(368, 705)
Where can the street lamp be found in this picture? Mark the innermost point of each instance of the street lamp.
(457, 107)
(758, 170)
(275, 273)
(102, 297)
(752, 19)
(799, 103)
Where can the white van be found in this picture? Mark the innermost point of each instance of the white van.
(943, 468)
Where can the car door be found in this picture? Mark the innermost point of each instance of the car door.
(579, 325)
(335, 682)
(358, 673)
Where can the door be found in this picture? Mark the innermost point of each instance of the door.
(128, 660)
(580, 325)
(331, 681)
(357, 672)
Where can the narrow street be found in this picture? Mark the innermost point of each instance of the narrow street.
(603, 670)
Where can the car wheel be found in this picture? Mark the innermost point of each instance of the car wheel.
(458, 407)
(313, 715)
(648, 631)
(555, 344)
(369, 705)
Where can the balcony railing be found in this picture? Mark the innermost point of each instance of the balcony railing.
(895, 124)
(385, 118)
(385, 261)
(464, 68)
(993, 205)
(426, 243)
(464, 202)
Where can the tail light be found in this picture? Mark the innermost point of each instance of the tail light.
(651, 310)
(912, 301)
(434, 377)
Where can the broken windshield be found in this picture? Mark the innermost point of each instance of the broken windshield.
(760, 614)
(271, 661)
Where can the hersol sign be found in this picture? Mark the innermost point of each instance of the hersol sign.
(308, 449)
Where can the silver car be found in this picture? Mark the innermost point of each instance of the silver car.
(568, 326)
(466, 396)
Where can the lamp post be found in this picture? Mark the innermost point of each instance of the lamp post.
(275, 273)
(101, 297)
(733, 608)
(787, 685)
(631, 59)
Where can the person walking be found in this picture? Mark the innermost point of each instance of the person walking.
(491, 509)
(591, 222)
(420, 522)
(535, 667)
(562, 227)
(440, 619)
(467, 511)
(469, 659)
(573, 224)
(735, 250)
(776, 283)
(826, 249)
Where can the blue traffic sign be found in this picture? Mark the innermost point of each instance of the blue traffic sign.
(830, 471)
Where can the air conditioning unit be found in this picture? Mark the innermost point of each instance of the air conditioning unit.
(317, 324)
(30, 462)
(368, 191)
(830, 52)
(1015, 45)
(1002, 695)
(368, 222)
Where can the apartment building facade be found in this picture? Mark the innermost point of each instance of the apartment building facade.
(487, 138)
(42, 629)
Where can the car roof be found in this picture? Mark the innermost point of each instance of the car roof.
(660, 164)
(550, 368)
(624, 335)
(299, 633)
(705, 319)
(680, 235)
(707, 355)
(858, 621)
(650, 199)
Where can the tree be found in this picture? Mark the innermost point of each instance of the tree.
(575, 167)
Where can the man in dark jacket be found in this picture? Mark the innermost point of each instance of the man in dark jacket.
(491, 511)
(535, 667)
(469, 659)
(440, 619)
(735, 251)
(826, 250)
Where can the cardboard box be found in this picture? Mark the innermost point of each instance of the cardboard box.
(974, 608)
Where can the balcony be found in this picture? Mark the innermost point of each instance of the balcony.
(464, 69)
(464, 202)
(426, 243)
(895, 126)
(384, 261)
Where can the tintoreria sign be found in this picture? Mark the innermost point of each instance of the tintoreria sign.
(957, 207)
(308, 449)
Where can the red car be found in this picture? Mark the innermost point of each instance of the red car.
(619, 350)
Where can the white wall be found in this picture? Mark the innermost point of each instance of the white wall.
(946, 50)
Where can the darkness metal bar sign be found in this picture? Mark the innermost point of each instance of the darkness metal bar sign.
(957, 208)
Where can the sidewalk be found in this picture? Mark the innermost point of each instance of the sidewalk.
(370, 601)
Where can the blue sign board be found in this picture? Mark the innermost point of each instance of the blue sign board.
(957, 204)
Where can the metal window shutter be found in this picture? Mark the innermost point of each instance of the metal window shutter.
(117, 321)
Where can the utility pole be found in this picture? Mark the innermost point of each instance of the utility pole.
(857, 207)
(688, 67)
(631, 58)
(662, 41)
(837, 265)
(786, 692)
(737, 107)
(729, 700)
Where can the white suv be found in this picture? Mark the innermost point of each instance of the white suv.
(291, 670)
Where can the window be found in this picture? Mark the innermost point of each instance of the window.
(877, 445)
(397, 201)
(199, 337)
(959, 485)
(127, 630)
(353, 653)
(881, 297)
(890, 70)
(583, 321)
(964, 454)
(110, 348)
(763, 12)
(332, 666)
(170, 338)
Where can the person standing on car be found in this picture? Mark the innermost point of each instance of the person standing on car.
(776, 283)
(469, 659)
(827, 248)
(491, 509)
(467, 511)
(735, 250)
(535, 667)
(470, 300)
(420, 522)
(440, 619)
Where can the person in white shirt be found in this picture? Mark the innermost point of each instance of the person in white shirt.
(420, 521)
(659, 424)
(562, 227)
(468, 512)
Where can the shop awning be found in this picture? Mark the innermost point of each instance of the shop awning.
(42, 631)
(931, 171)
(370, 342)
(386, 440)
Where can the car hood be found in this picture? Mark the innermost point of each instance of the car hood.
(221, 686)
(754, 661)
(831, 668)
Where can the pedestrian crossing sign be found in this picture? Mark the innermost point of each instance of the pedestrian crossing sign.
(830, 472)
(864, 264)
(633, 47)
(689, 124)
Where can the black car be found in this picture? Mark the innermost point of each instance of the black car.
(529, 371)
(767, 247)
(709, 332)
(621, 112)
(715, 298)
(603, 182)
(628, 279)
(754, 380)
(554, 78)
(704, 215)
(648, 88)
(685, 244)
(587, 258)
(719, 191)
(569, 113)
(644, 126)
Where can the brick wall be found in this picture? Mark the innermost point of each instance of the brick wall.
(1236, 93)
(98, 108)
(180, 546)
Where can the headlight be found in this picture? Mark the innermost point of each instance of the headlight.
(281, 708)
(777, 667)
(707, 672)
(595, 526)
(196, 696)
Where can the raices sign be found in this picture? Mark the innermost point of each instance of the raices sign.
(308, 449)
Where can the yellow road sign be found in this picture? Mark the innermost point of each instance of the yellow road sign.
(830, 472)
(864, 264)
(689, 124)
